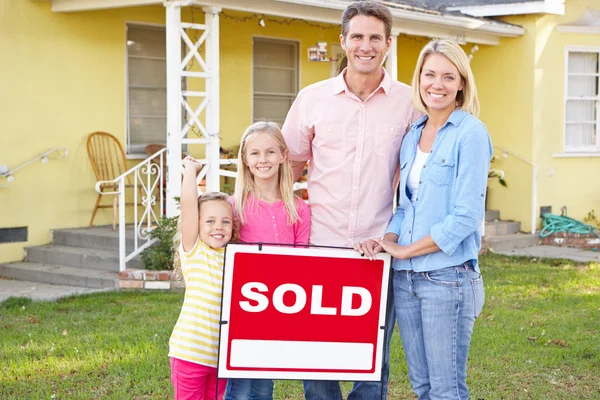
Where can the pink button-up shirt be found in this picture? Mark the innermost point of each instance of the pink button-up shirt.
(354, 148)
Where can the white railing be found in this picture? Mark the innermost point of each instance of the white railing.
(534, 170)
(147, 178)
(9, 175)
(148, 182)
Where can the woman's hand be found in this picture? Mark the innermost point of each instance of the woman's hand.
(368, 248)
(393, 249)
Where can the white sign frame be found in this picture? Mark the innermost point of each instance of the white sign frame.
(257, 354)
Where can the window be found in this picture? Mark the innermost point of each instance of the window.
(146, 87)
(582, 119)
(275, 71)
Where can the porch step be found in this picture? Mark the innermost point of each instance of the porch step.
(512, 241)
(81, 257)
(498, 228)
(101, 237)
(492, 215)
(60, 275)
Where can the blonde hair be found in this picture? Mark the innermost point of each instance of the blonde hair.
(244, 184)
(466, 99)
(205, 198)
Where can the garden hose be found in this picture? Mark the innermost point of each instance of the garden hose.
(559, 223)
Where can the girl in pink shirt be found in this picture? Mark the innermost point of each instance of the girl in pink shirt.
(268, 212)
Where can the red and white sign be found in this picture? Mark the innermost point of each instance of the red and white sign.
(302, 313)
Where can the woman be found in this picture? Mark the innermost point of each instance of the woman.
(435, 235)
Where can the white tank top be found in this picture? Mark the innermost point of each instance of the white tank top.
(412, 182)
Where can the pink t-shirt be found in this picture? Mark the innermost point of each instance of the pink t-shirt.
(268, 223)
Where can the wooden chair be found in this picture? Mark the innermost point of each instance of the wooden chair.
(108, 162)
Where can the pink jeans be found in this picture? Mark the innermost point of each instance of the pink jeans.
(193, 381)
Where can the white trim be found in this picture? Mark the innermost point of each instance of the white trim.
(567, 151)
(588, 23)
(328, 11)
(588, 154)
(212, 111)
(495, 10)
(89, 5)
(592, 30)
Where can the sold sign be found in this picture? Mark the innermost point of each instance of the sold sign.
(302, 313)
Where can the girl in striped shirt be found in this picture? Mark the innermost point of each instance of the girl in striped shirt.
(206, 225)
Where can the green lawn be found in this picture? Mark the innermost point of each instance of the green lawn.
(538, 338)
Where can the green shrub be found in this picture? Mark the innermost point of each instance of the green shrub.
(160, 256)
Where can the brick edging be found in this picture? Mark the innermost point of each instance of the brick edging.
(587, 241)
(134, 278)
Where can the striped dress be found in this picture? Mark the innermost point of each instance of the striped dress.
(195, 337)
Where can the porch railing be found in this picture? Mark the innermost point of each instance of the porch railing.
(534, 171)
(145, 181)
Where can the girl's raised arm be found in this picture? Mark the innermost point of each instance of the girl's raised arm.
(189, 203)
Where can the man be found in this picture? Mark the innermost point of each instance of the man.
(350, 128)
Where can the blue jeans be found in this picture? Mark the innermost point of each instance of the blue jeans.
(330, 390)
(246, 389)
(436, 311)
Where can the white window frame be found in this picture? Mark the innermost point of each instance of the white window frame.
(298, 69)
(137, 154)
(583, 150)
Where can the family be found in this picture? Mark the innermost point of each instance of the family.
(365, 136)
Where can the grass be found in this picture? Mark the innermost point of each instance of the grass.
(538, 338)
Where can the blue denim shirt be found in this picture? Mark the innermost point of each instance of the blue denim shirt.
(450, 201)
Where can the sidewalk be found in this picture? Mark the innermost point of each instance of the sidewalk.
(39, 291)
(569, 253)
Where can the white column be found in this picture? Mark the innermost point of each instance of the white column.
(212, 90)
(174, 112)
(391, 65)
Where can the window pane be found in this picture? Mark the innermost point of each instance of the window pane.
(147, 102)
(581, 110)
(148, 130)
(275, 53)
(271, 108)
(274, 81)
(583, 86)
(144, 72)
(580, 135)
(583, 62)
(146, 41)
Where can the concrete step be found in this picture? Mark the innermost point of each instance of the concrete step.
(101, 237)
(498, 228)
(60, 275)
(84, 258)
(492, 215)
(512, 241)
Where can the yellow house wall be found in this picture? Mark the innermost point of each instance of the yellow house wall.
(521, 88)
(573, 183)
(504, 76)
(236, 63)
(62, 76)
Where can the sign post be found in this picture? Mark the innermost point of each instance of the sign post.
(302, 313)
